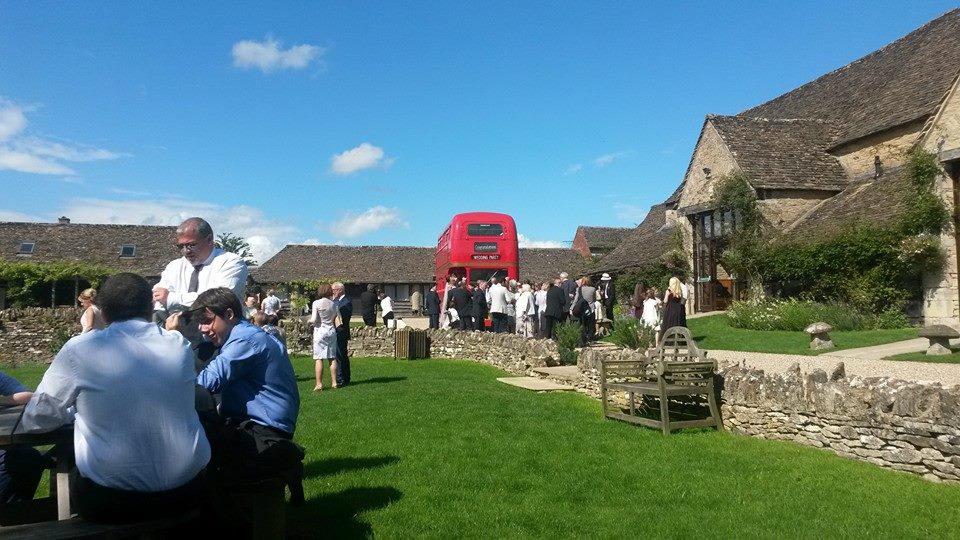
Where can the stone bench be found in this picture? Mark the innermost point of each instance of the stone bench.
(939, 336)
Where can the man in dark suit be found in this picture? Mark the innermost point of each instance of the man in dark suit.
(553, 313)
(569, 288)
(345, 307)
(460, 301)
(368, 305)
(609, 293)
(432, 302)
(479, 312)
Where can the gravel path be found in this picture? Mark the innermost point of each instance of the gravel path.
(947, 374)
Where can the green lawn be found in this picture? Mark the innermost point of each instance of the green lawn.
(715, 332)
(439, 448)
(922, 356)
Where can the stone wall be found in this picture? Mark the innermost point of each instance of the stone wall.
(712, 153)
(35, 334)
(907, 426)
(892, 146)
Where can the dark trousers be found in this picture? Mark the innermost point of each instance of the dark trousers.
(588, 329)
(386, 318)
(110, 505)
(608, 310)
(435, 320)
(550, 327)
(343, 358)
(498, 322)
(370, 319)
(466, 322)
(20, 472)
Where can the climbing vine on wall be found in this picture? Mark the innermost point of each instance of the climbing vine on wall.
(25, 280)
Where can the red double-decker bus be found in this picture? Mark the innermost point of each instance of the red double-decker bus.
(477, 245)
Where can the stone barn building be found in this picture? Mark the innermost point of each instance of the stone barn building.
(825, 156)
(596, 242)
(143, 249)
(397, 270)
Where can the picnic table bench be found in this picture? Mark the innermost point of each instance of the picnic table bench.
(676, 367)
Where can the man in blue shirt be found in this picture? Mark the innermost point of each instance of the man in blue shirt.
(254, 378)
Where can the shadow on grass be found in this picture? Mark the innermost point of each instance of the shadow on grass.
(336, 465)
(378, 380)
(335, 515)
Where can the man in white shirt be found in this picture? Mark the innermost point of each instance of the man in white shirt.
(203, 266)
(130, 390)
(271, 304)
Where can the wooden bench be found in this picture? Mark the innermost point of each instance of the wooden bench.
(676, 367)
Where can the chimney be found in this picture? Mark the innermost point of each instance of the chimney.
(64, 220)
(877, 167)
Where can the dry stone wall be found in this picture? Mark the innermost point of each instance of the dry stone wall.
(907, 426)
(35, 334)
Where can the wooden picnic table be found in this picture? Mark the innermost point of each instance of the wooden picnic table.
(63, 449)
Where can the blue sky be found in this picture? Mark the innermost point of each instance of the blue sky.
(373, 123)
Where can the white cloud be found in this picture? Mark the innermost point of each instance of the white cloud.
(265, 236)
(267, 56)
(12, 120)
(28, 163)
(630, 213)
(365, 156)
(525, 242)
(373, 219)
(30, 154)
(63, 152)
(13, 215)
(573, 169)
(607, 159)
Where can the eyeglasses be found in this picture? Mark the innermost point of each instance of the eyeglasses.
(189, 246)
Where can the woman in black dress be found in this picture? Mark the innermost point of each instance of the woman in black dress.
(674, 312)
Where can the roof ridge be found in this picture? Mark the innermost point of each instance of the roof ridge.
(862, 59)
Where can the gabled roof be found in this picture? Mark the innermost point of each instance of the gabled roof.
(645, 244)
(391, 264)
(355, 264)
(785, 154)
(603, 238)
(866, 202)
(91, 243)
(895, 85)
(541, 264)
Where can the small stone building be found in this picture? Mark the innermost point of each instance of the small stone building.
(143, 249)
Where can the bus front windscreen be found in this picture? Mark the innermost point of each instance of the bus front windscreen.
(477, 274)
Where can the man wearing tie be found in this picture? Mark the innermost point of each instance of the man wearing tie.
(201, 267)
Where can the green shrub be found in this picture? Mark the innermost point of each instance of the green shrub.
(795, 315)
(568, 339)
(629, 333)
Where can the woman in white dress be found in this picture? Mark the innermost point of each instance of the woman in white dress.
(91, 319)
(651, 310)
(323, 314)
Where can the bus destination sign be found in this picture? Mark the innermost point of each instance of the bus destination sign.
(486, 257)
(485, 247)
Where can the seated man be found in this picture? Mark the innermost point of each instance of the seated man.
(139, 446)
(259, 400)
(22, 466)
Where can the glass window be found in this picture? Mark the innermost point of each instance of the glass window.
(486, 274)
(484, 229)
(26, 248)
(128, 250)
(707, 223)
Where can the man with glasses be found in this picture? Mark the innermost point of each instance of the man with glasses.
(202, 266)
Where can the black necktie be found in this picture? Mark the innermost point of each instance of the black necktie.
(195, 279)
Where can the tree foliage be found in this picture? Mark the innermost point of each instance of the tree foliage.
(25, 279)
(236, 244)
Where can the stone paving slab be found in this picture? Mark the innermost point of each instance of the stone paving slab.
(533, 383)
(559, 372)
